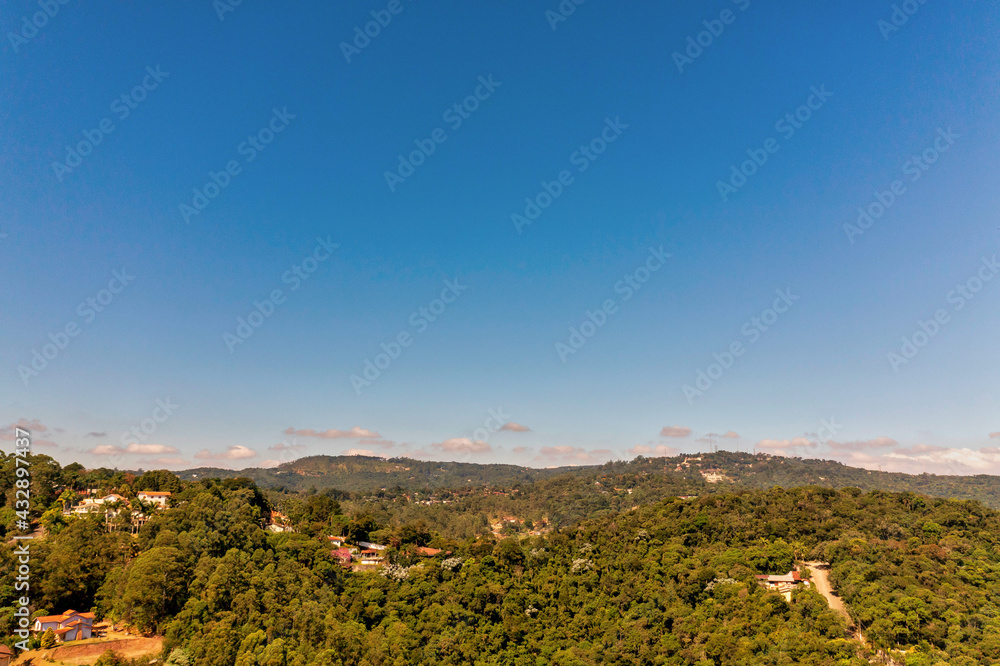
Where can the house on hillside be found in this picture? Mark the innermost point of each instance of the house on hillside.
(783, 583)
(371, 557)
(337, 541)
(155, 497)
(70, 626)
(6, 655)
(279, 523)
(371, 546)
(94, 504)
(342, 556)
(424, 551)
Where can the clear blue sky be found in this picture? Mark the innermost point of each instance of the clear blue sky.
(603, 78)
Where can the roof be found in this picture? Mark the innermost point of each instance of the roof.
(155, 493)
(430, 552)
(5, 650)
(50, 618)
(369, 551)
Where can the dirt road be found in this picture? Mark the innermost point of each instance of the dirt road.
(820, 572)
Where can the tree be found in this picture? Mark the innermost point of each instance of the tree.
(48, 639)
(150, 591)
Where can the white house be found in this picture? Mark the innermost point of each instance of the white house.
(70, 626)
(155, 497)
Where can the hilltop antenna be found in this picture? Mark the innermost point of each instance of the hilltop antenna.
(711, 442)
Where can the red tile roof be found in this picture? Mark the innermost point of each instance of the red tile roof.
(429, 552)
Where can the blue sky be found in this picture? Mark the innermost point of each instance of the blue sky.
(309, 128)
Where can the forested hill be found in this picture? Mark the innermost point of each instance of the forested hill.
(367, 474)
(683, 473)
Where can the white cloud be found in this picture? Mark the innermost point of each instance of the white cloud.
(362, 452)
(785, 444)
(134, 447)
(865, 444)
(571, 455)
(231, 453)
(657, 451)
(515, 427)
(356, 432)
(675, 431)
(463, 445)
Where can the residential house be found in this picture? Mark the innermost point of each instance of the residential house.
(6, 655)
(343, 556)
(783, 583)
(428, 552)
(155, 497)
(279, 523)
(93, 504)
(70, 626)
(337, 541)
(371, 546)
(371, 557)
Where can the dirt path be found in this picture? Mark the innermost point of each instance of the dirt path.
(821, 580)
(820, 572)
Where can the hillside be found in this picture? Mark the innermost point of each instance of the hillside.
(684, 473)
(368, 474)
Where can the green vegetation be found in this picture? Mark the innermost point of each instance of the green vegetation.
(590, 574)
(359, 474)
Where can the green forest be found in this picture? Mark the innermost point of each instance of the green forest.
(606, 566)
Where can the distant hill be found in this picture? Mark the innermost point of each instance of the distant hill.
(688, 473)
(368, 474)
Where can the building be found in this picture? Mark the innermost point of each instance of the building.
(428, 552)
(94, 504)
(155, 497)
(6, 655)
(279, 523)
(337, 541)
(371, 546)
(342, 556)
(783, 583)
(370, 557)
(70, 626)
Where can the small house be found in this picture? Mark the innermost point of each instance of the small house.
(70, 626)
(155, 497)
